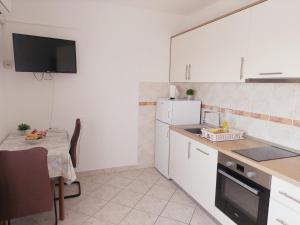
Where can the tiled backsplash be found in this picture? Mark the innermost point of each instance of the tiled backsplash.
(148, 94)
(267, 111)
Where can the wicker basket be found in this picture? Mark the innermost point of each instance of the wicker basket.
(231, 135)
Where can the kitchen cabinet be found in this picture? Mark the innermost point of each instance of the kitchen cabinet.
(180, 149)
(282, 215)
(202, 172)
(181, 56)
(211, 53)
(284, 205)
(274, 48)
(193, 166)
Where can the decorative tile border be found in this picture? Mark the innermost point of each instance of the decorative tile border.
(259, 116)
(147, 103)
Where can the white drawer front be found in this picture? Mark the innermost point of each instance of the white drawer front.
(282, 215)
(286, 193)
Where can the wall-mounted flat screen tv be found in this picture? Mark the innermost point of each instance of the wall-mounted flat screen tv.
(42, 54)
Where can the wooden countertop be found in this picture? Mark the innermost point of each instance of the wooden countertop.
(287, 169)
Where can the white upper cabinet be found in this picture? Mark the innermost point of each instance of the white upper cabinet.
(274, 49)
(5, 6)
(181, 55)
(220, 48)
(211, 53)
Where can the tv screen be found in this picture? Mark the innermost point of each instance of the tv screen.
(41, 54)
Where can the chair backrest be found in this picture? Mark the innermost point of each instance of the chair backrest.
(25, 187)
(74, 141)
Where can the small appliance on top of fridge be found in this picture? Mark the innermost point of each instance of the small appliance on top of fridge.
(172, 112)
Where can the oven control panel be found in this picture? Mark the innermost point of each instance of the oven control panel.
(245, 170)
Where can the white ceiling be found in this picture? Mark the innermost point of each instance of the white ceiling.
(183, 7)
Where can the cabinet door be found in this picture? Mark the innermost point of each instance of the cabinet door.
(181, 50)
(282, 215)
(180, 147)
(220, 49)
(274, 47)
(203, 175)
(162, 147)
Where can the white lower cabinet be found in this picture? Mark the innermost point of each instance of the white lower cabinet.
(202, 171)
(180, 147)
(280, 214)
(193, 167)
(284, 206)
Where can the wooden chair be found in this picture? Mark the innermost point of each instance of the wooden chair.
(25, 186)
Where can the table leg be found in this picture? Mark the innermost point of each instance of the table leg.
(61, 199)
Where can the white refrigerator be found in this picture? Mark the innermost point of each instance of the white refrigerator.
(172, 112)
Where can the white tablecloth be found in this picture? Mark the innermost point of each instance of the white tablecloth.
(57, 144)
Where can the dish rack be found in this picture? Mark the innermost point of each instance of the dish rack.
(231, 135)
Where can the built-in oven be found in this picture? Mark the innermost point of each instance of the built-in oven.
(242, 192)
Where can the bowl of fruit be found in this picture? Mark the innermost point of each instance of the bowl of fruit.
(35, 136)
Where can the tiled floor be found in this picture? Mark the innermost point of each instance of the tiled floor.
(135, 197)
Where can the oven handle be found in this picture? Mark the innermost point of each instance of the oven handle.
(251, 189)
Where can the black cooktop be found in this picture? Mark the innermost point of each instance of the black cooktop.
(266, 153)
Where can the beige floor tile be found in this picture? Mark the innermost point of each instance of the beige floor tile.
(139, 187)
(151, 205)
(94, 221)
(166, 221)
(161, 192)
(166, 183)
(202, 218)
(74, 218)
(149, 175)
(130, 174)
(26, 221)
(86, 179)
(136, 217)
(182, 198)
(71, 202)
(127, 198)
(178, 212)
(89, 206)
(106, 192)
(103, 178)
(112, 213)
(89, 188)
(119, 181)
(46, 218)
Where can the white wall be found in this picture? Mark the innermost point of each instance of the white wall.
(3, 130)
(117, 47)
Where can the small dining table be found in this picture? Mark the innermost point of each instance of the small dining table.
(59, 160)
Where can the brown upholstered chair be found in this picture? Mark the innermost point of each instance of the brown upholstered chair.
(73, 154)
(25, 186)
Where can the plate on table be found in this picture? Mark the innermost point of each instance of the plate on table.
(33, 142)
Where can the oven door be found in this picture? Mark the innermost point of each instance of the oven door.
(244, 201)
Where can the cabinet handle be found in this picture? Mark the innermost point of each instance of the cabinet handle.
(281, 222)
(268, 74)
(242, 68)
(289, 197)
(189, 78)
(189, 150)
(199, 150)
(186, 72)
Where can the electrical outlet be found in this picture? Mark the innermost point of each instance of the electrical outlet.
(8, 64)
